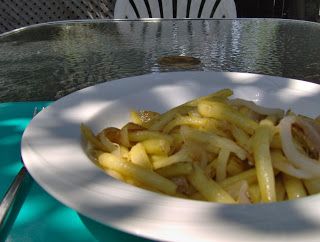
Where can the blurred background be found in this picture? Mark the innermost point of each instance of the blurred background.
(291, 9)
(19, 13)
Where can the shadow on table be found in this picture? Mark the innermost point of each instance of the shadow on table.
(14, 117)
(15, 209)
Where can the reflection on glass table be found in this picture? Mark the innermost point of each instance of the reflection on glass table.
(46, 62)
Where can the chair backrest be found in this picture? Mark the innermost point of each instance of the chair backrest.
(134, 9)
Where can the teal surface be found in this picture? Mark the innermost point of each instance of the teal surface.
(41, 217)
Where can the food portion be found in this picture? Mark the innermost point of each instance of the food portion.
(214, 148)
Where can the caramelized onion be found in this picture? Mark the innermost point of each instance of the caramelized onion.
(312, 132)
(257, 108)
(298, 159)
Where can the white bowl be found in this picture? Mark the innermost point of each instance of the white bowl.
(53, 154)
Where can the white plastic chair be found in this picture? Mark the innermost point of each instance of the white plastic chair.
(134, 9)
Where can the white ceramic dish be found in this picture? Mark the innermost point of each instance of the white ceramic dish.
(53, 154)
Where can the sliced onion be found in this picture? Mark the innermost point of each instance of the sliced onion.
(243, 194)
(282, 164)
(257, 108)
(239, 191)
(297, 158)
(107, 143)
(312, 131)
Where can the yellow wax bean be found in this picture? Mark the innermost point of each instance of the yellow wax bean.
(89, 136)
(223, 111)
(221, 94)
(138, 155)
(140, 174)
(142, 135)
(185, 120)
(222, 161)
(236, 166)
(161, 121)
(263, 163)
(181, 156)
(280, 189)
(249, 175)
(313, 185)
(242, 138)
(156, 146)
(208, 188)
(177, 169)
(254, 193)
(294, 187)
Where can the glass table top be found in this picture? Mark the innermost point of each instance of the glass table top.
(48, 61)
